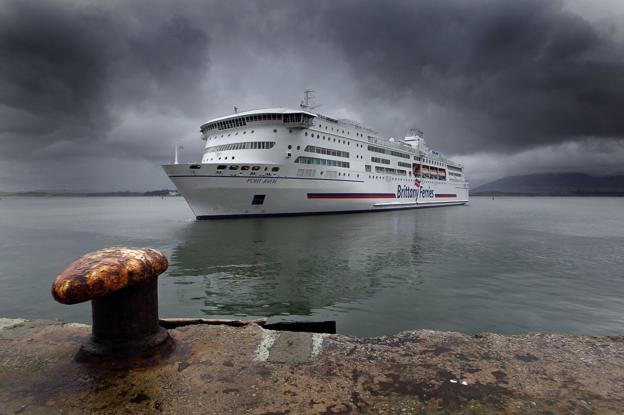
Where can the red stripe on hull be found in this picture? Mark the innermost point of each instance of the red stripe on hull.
(351, 196)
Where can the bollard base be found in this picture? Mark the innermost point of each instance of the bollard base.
(127, 354)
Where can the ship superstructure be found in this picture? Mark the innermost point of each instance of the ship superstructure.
(280, 161)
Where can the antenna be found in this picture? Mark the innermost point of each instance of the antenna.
(306, 102)
(235, 110)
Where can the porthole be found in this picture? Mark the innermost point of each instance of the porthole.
(306, 134)
(255, 168)
(289, 146)
(232, 157)
(252, 131)
(244, 132)
(275, 169)
(274, 130)
(290, 131)
(298, 147)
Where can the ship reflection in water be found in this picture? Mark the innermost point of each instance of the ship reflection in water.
(510, 265)
(296, 266)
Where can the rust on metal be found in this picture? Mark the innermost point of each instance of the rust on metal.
(105, 271)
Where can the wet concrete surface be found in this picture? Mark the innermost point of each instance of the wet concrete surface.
(221, 369)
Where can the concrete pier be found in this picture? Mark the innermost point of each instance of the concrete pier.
(221, 369)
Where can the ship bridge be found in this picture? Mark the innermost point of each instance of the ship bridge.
(285, 116)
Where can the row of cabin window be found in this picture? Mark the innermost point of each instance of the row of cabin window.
(235, 167)
(229, 134)
(318, 136)
(395, 179)
(433, 176)
(332, 129)
(379, 160)
(433, 162)
(329, 138)
(388, 170)
(337, 130)
(327, 151)
(321, 162)
(391, 152)
(246, 145)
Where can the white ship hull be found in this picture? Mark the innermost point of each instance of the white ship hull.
(211, 196)
(290, 162)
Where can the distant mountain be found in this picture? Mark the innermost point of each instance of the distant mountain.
(553, 184)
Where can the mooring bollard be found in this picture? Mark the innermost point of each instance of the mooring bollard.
(122, 284)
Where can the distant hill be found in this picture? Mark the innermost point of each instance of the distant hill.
(553, 184)
(163, 192)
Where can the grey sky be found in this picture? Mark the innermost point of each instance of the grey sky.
(94, 95)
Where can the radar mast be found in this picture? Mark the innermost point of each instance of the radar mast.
(306, 102)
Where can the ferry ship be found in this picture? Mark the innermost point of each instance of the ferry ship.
(281, 161)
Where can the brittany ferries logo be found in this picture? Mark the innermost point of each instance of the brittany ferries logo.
(405, 192)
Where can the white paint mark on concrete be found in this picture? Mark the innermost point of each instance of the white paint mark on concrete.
(8, 323)
(317, 343)
(77, 325)
(262, 352)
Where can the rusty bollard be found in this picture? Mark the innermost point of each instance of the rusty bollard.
(122, 284)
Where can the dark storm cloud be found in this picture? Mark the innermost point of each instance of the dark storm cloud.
(116, 84)
(65, 69)
(508, 75)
